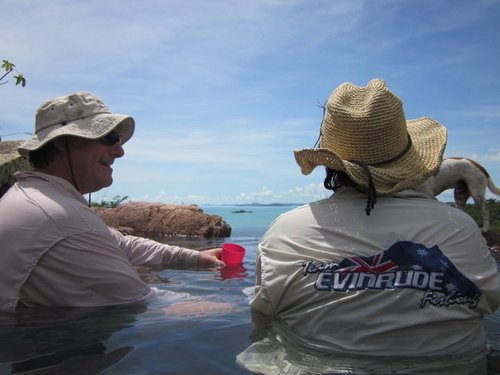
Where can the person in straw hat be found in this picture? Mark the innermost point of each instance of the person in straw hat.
(378, 268)
(55, 250)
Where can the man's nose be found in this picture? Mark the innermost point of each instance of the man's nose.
(118, 150)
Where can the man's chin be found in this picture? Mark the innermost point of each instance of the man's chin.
(103, 185)
(108, 183)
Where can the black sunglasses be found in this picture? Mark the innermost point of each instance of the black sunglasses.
(111, 138)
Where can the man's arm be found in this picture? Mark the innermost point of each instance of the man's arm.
(143, 251)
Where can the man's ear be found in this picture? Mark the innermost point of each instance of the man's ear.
(60, 143)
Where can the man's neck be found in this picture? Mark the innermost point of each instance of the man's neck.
(58, 170)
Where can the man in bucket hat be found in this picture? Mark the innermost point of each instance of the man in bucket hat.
(378, 268)
(55, 250)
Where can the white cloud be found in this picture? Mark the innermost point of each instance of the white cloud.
(223, 91)
(492, 155)
(260, 196)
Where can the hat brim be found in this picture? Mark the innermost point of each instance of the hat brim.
(421, 161)
(89, 128)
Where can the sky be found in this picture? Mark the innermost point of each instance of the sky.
(223, 91)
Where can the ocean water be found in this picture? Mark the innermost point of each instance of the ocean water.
(249, 221)
(139, 340)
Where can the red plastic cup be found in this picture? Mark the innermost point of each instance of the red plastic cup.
(232, 254)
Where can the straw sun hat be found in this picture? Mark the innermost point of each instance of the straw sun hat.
(80, 114)
(365, 134)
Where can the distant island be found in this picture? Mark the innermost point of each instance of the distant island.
(255, 204)
(241, 212)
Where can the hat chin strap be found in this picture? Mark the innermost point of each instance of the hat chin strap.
(372, 192)
(70, 164)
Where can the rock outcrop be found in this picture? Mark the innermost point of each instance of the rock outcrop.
(157, 220)
(10, 161)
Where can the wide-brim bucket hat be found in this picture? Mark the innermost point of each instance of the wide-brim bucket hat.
(81, 114)
(364, 133)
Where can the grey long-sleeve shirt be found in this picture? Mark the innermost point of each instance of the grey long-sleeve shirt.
(55, 251)
(413, 278)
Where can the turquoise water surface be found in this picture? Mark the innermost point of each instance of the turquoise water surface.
(253, 221)
(140, 340)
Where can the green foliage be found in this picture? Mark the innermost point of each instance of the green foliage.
(9, 68)
(114, 202)
(494, 208)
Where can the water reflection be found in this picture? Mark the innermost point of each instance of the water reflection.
(233, 272)
(273, 356)
(132, 340)
(63, 340)
(271, 353)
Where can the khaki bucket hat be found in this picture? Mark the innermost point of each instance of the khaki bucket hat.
(81, 114)
(365, 134)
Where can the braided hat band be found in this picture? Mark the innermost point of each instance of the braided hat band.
(364, 133)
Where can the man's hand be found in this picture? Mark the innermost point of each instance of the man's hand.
(210, 257)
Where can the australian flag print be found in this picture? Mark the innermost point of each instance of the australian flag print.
(403, 265)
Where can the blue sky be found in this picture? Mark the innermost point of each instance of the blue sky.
(223, 91)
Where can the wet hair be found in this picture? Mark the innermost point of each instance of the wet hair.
(43, 156)
(334, 180)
